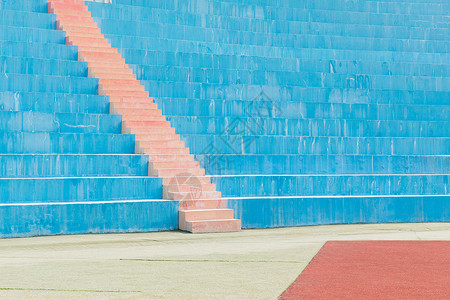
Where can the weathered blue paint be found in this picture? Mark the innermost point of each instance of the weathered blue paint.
(353, 125)
(356, 101)
(298, 211)
(87, 217)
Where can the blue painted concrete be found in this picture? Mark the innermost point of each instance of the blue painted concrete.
(301, 211)
(357, 87)
(38, 50)
(235, 164)
(65, 166)
(319, 112)
(53, 102)
(87, 217)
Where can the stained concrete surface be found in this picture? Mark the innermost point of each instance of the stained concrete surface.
(251, 264)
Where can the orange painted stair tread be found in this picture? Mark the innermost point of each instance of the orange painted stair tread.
(202, 208)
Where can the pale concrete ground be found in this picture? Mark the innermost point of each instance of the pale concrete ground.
(252, 264)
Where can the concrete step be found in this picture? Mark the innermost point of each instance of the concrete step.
(114, 72)
(114, 75)
(86, 25)
(175, 164)
(210, 226)
(103, 60)
(116, 107)
(205, 214)
(85, 41)
(156, 137)
(186, 178)
(159, 150)
(99, 49)
(91, 35)
(177, 171)
(146, 117)
(196, 193)
(67, 6)
(101, 67)
(121, 85)
(139, 112)
(168, 144)
(132, 100)
(146, 125)
(66, 13)
(203, 204)
(127, 94)
(187, 186)
(78, 20)
(101, 55)
(70, 2)
(151, 130)
(104, 89)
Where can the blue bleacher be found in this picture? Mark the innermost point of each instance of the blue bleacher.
(301, 102)
(303, 112)
(65, 166)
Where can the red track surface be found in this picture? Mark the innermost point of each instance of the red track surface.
(376, 270)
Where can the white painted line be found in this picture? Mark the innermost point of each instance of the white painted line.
(336, 197)
(86, 202)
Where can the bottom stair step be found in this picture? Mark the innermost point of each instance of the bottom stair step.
(210, 226)
(205, 214)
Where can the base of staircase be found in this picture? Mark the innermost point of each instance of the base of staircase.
(212, 226)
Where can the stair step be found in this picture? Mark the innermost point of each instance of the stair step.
(83, 41)
(68, 13)
(114, 75)
(203, 204)
(103, 60)
(71, 26)
(158, 118)
(101, 67)
(205, 214)
(100, 49)
(168, 144)
(67, 6)
(106, 88)
(90, 35)
(121, 84)
(110, 66)
(177, 171)
(115, 107)
(126, 94)
(170, 157)
(175, 164)
(73, 2)
(186, 178)
(96, 54)
(139, 112)
(196, 193)
(76, 20)
(186, 186)
(152, 130)
(132, 100)
(147, 124)
(156, 137)
(210, 226)
(158, 150)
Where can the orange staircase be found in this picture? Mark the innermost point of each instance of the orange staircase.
(202, 208)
